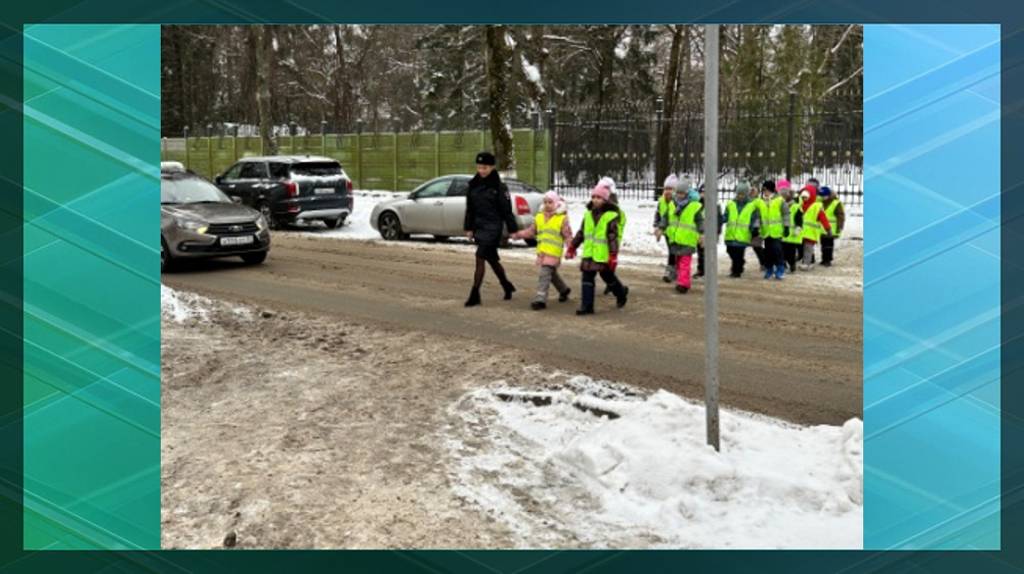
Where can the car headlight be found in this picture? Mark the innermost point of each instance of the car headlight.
(261, 222)
(191, 225)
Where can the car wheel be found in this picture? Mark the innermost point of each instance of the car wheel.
(166, 263)
(441, 237)
(334, 223)
(269, 216)
(390, 227)
(255, 258)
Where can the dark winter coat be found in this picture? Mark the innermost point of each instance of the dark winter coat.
(488, 209)
(588, 264)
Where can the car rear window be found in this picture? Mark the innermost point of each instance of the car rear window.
(278, 170)
(317, 168)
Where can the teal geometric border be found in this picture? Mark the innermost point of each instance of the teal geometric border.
(91, 287)
(931, 287)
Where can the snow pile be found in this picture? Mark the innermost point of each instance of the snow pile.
(180, 306)
(611, 468)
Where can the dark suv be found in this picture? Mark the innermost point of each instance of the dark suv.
(291, 189)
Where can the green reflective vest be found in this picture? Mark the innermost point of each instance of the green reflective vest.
(595, 236)
(773, 224)
(663, 206)
(762, 208)
(549, 234)
(683, 227)
(737, 225)
(812, 227)
(830, 213)
(622, 225)
(793, 236)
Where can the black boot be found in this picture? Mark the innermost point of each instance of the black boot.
(563, 297)
(538, 305)
(587, 301)
(509, 289)
(622, 292)
(474, 298)
(681, 289)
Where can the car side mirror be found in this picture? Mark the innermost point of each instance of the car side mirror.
(219, 179)
(236, 199)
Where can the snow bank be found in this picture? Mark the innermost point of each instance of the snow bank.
(182, 306)
(179, 306)
(614, 468)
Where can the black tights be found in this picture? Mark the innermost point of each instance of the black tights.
(478, 274)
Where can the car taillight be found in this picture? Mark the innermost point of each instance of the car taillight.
(292, 188)
(348, 185)
(522, 208)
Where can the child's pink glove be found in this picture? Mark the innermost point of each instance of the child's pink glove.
(571, 253)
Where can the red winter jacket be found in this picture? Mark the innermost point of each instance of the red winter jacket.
(822, 218)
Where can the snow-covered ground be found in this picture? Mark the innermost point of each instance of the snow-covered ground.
(612, 466)
(554, 459)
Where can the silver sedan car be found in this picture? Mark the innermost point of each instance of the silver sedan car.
(438, 208)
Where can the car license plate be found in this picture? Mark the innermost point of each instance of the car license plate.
(323, 190)
(240, 240)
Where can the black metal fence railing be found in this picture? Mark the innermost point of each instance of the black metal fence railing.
(757, 141)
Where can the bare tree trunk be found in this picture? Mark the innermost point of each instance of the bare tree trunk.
(263, 37)
(661, 162)
(497, 88)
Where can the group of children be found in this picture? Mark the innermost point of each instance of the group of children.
(600, 237)
(783, 228)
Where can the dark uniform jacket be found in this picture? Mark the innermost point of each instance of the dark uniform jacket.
(488, 209)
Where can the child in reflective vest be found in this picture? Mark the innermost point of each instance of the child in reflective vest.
(742, 223)
(661, 221)
(551, 229)
(683, 228)
(815, 223)
(792, 236)
(833, 209)
(775, 226)
(599, 237)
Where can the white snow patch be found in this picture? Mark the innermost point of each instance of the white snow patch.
(647, 478)
(180, 306)
(532, 72)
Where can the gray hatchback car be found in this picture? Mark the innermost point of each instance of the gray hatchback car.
(197, 220)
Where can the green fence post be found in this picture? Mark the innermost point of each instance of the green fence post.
(209, 150)
(323, 138)
(437, 154)
(186, 148)
(359, 152)
(394, 160)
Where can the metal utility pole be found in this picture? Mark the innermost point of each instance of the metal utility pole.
(711, 232)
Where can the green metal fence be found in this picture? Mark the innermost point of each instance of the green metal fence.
(392, 161)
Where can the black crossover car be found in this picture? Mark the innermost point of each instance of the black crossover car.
(291, 189)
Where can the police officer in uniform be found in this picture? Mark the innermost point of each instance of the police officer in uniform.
(488, 214)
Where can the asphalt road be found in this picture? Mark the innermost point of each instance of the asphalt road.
(789, 349)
